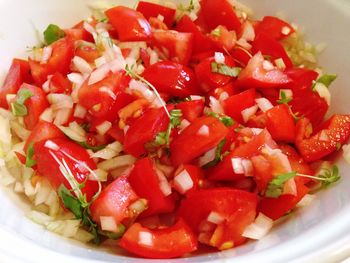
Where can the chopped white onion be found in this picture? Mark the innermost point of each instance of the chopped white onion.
(82, 65)
(285, 30)
(237, 165)
(247, 167)
(116, 162)
(223, 96)
(196, 97)
(249, 112)
(203, 131)
(79, 111)
(18, 188)
(108, 224)
(264, 104)
(207, 157)
(290, 187)
(346, 152)
(76, 78)
(323, 91)
(215, 218)
(306, 200)
(248, 33)
(104, 127)
(280, 64)
(256, 131)
(244, 44)
(47, 51)
(215, 105)
(138, 206)
(259, 228)
(51, 145)
(287, 92)
(163, 183)
(99, 74)
(110, 151)
(219, 58)
(47, 115)
(267, 65)
(145, 238)
(183, 182)
(98, 175)
(108, 91)
(73, 134)
(323, 136)
(100, 61)
(183, 125)
(60, 101)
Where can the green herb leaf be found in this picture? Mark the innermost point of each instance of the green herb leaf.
(275, 187)
(53, 33)
(225, 70)
(226, 120)
(29, 156)
(70, 202)
(284, 99)
(18, 108)
(114, 235)
(326, 79)
(218, 155)
(89, 147)
(329, 176)
(216, 32)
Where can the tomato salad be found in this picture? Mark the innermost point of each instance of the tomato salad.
(168, 128)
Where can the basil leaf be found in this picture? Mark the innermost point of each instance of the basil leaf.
(70, 202)
(53, 33)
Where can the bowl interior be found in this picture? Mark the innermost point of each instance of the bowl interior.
(306, 232)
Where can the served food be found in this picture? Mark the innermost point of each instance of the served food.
(168, 128)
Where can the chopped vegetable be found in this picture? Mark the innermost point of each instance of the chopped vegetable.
(53, 33)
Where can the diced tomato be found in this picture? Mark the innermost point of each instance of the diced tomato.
(262, 172)
(191, 110)
(219, 12)
(145, 57)
(50, 168)
(234, 105)
(225, 40)
(22, 158)
(270, 47)
(191, 143)
(43, 131)
(35, 105)
(223, 171)
(241, 56)
(223, 92)
(176, 46)
(18, 73)
(116, 133)
(333, 132)
(201, 43)
(157, 24)
(62, 54)
(194, 172)
(172, 78)
(171, 242)
(256, 76)
(114, 201)
(236, 206)
(154, 10)
(144, 130)
(280, 123)
(60, 84)
(305, 101)
(274, 27)
(130, 24)
(78, 32)
(87, 52)
(146, 183)
(209, 80)
(105, 98)
(275, 208)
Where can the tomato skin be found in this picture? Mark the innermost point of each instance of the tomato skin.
(195, 173)
(273, 27)
(35, 105)
(209, 80)
(91, 95)
(43, 131)
(49, 168)
(153, 10)
(130, 24)
(270, 47)
(275, 208)
(60, 84)
(62, 54)
(170, 242)
(189, 144)
(191, 110)
(262, 172)
(144, 180)
(280, 123)
(178, 45)
(255, 76)
(234, 105)
(305, 101)
(226, 39)
(172, 78)
(219, 12)
(241, 56)
(144, 130)
(223, 171)
(201, 43)
(336, 129)
(18, 73)
(236, 206)
(89, 53)
(114, 201)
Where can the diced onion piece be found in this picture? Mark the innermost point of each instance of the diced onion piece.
(256, 131)
(183, 182)
(104, 127)
(18, 188)
(247, 167)
(163, 183)
(43, 193)
(82, 65)
(323, 136)
(51, 145)
(99, 175)
(259, 228)
(219, 58)
(75, 136)
(39, 218)
(100, 61)
(264, 104)
(47, 51)
(248, 33)
(110, 151)
(184, 124)
(323, 91)
(223, 96)
(99, 74)
(346, 152)
(306, 200)
(215, 218)
(207, 157)
(79, 111)
(109, 92)
(287, 92)
(215, 105)
(77, 128)
(75, 78)
(19, 130)
(108, 224)
(290, 187)
(203, 130)
(83, 236)
(138, 206)
(47, 115)
(280, 64)
(196, 97)
(10, 98)
(249, 112)
(145, 238)
(267, 65)
(237, 165)
(120, 161)
(285, 30)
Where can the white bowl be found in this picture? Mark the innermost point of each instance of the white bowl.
(318, 233)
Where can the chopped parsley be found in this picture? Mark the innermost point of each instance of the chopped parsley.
(225, 70)
(326, 79)
(283, 98)
(218, 155)
(29, 156)
(53, 33)
(226, 120)
(17, 107)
